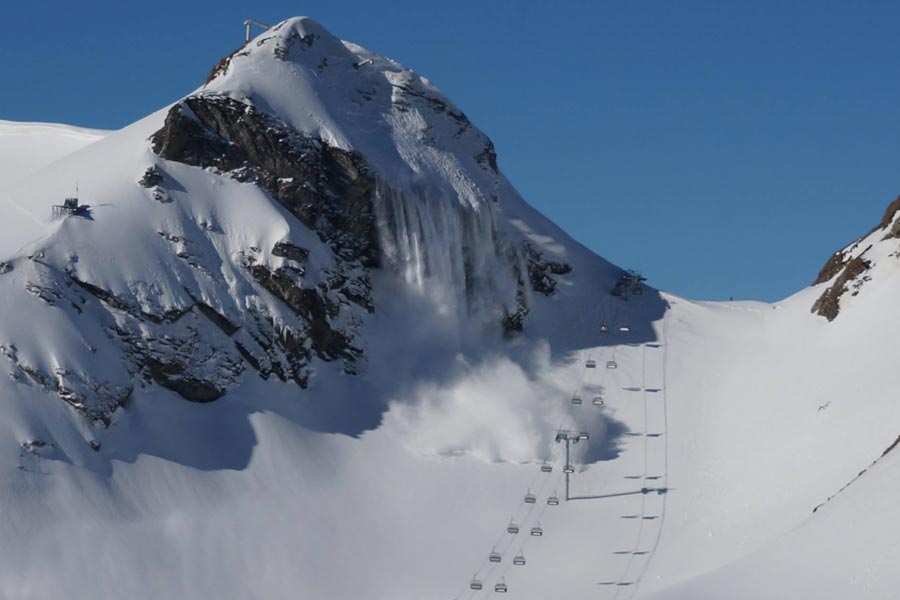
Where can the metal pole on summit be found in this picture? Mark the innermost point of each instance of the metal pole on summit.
(250, 22)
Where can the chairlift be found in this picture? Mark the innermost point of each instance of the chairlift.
(562, 436)
(576, 399)
(494, 556)
(545, 468)
(611, 364)
(475, 584)
(537, 531)
(582, 436)
(553, 500)
(624, 328)
(530, 498)
(590, 364)
(604, 328)
(501, 587)
(598, 401)
(519, 559)
(512, 528)
(568, 469)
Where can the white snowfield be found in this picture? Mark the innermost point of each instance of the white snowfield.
(718, 427)
(26, 147)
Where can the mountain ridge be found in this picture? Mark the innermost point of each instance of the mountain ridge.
(305, 338)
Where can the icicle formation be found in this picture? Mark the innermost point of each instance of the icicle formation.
(449, 252)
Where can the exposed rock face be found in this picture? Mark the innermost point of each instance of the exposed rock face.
(172, 348)
(96, 400)
(328, 189)
(890, 216)
(291, 252)
(828, 304)
(151, 178)
(540, 270)
(848, 267)
(313, 305)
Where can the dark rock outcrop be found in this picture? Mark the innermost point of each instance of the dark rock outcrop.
(174, 375)
(291, 252)
(890, 216)
(828, 304)
(152, 177)
(328, 189)
(831, 268)
(313, 306)
(95, 400)
(848, 266)
(540, 270)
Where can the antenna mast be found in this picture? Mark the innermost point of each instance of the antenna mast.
(250, 22)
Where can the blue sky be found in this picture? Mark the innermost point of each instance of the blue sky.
(723, 148)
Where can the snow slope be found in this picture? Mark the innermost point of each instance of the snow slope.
(394, 475)
(26, 147)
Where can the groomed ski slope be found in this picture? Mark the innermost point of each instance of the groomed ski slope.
(723, 425)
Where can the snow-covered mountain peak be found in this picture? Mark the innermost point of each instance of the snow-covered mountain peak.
(438, 192)
(300, 337)
(266, 223)
(356, 100)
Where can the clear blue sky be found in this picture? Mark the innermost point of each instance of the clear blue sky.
(724, 148)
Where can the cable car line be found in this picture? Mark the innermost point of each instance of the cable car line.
(515, 528)
(578, 427)
(640, 577)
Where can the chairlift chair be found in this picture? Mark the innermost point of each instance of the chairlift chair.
(604, 328)
(545, 468)
(598, 401)
(475, 584)
(537, 531)
(611, 364)
(624, 328)
(576, 399)
(562, 436)
(530, 498)
(590, 364)
(568, 469)
(494, 556)
(519, 559)
(501, 587)
(512, 528)
(553, 500)
(582, 436)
